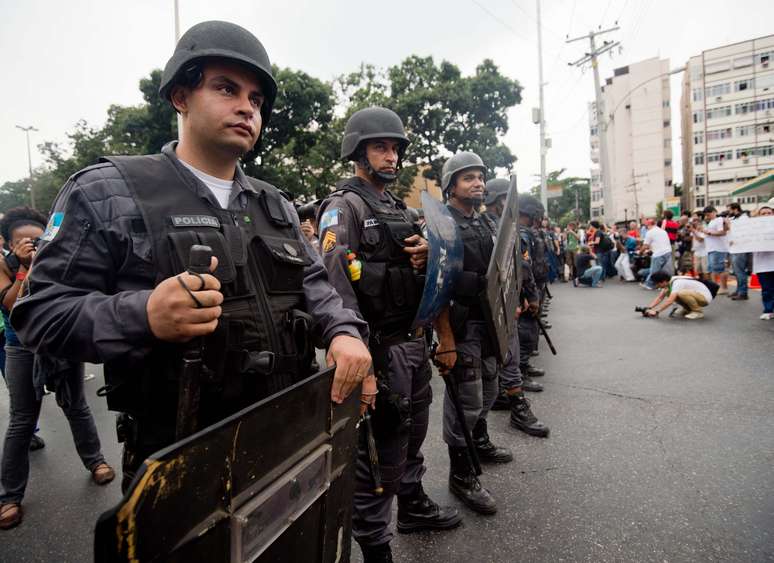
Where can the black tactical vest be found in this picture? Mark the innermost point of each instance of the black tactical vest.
(478, 236)
(262, 342)
(389, 289)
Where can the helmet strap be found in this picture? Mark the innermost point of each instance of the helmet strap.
(365, 164)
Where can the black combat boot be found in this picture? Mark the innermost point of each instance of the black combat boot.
(465, 485)
(529, 385)
(523, 419)
(487, 451)
(377, 553)
(418, 512)
(531, 371)
(501, 403)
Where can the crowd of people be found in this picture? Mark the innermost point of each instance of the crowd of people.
(693, 246)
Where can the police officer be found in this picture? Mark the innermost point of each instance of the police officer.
(530, 212)
(465, 347)
(374, 255)
(107, 285)
(496, 192)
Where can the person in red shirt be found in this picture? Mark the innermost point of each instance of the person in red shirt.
(670, 225)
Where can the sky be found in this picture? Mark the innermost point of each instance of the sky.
(67, 61)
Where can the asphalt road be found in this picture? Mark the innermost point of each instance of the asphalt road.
(662, 449)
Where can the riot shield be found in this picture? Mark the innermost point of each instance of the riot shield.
(444, 260)
(274, 482)
(503, 277)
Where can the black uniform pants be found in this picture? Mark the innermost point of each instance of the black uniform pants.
(475, 375)
(400, 460)
(528, 338)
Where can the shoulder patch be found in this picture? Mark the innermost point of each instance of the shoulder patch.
(329, 219)
(329, 241)
(54, 223)
(372, 222)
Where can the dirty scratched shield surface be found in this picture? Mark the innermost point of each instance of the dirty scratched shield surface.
(273, 482)
(503, 277)
(444, 260)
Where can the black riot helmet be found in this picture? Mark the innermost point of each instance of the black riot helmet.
(530, 206)
(373, 123)
(457, 163)
(223, 40)
(496, 188)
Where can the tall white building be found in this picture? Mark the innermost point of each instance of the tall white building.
(727, 113)
(639, 141)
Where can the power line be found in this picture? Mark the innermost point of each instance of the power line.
(500, 21)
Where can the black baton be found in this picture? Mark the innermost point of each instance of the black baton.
(373, 455)
(545, 334)
(451, 386)
(189, 382)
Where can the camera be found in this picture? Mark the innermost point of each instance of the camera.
(642, 310)
(35, 242)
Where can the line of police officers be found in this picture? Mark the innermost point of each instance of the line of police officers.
(109, 285)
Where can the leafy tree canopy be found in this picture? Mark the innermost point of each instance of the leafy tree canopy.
(575, 190)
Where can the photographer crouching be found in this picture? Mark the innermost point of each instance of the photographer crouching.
(689, 294)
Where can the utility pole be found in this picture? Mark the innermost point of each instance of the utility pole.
(543, 147)
(29, 161)
(634, 189)
(177, 39)
(604, 168)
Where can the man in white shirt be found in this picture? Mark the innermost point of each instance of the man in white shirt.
(717, 247)
(699, 247)
(657, 241)
(692, 295)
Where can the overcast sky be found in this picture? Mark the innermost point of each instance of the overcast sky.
(65, 61)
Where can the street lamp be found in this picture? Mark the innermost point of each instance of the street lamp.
(29, 160)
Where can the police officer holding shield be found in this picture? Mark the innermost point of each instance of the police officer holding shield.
(533, 246)
(512, 381)
(465, 345)
(110, 283)
(375, 256)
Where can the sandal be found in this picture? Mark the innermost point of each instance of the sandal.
(10, 515)
(102, 474)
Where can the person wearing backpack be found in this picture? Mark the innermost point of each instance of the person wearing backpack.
(690, 294)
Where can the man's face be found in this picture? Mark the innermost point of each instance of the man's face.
(469, 185)
(632, 225)
(733, 211)
(224, 111)
(382, 154)
(710, 215)
(662, 285)
(765, 212)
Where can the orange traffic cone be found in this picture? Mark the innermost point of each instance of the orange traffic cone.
(754, 282)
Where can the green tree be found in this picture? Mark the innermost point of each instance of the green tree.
(443, 111)
(574, 203)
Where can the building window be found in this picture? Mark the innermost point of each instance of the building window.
(594, 131)
(744, 131)
(666, 123)
(698, 116)
(720, 156)
(667, 143)
(698, 94)
(698, 158)
(763, 58)
(698, 137)
(762, 105)
(718, 89)
(717, 134)
(763, 128)
(698, 180)
(700, 201)
(720, 181)
(741, 62)
(720, 66)
(762, 151)
(745, 107)
(722, 111)
(742, 85)
(667, 163)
